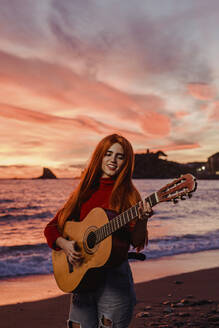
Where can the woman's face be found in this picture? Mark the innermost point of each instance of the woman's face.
(112, 161)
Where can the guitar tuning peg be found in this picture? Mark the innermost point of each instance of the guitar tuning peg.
(175, 201)
(183, 198)
(190, 195)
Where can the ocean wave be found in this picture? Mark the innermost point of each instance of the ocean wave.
(36, 259)
(25, 260)
(27, 264)
(210, 235)
(2, 201)
(188, 243)
(21, 208)
(5, 250)
(40, 215)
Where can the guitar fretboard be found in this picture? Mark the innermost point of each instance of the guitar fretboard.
(122, 219)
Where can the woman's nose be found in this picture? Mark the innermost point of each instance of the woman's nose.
(113, 158)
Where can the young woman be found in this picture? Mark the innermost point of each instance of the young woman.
(106, 183)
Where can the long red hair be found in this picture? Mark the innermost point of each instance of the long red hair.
(124, 194)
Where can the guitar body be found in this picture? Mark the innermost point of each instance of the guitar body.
(69, 276)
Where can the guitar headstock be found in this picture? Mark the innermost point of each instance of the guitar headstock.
(178, 189)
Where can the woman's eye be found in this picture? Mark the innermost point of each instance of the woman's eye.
(120, 157)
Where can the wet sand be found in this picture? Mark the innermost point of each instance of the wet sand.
(161, 287)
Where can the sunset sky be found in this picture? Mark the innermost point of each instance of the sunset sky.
(72, 72)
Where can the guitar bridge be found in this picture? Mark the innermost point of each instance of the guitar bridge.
(70, 266)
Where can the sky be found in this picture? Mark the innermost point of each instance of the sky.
(72, 72)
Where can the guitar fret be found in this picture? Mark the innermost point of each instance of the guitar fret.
(149, 199)
(114, 224)
(97, 234)
(109, 230)
(136, 211)
(101, 234)
(129, 213)
(126, 217)
(118, 222)
(133, 212)
(123, 219)
(110, 224)
(152, 199)
(105, 231)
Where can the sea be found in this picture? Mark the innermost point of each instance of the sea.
(26, 206)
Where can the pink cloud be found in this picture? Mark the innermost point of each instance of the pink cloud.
(215, 114)
(202, 91)
(155, 124)
(204, 106)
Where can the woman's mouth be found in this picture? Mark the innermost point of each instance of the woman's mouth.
(112, 166)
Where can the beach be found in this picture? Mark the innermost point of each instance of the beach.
(179, 291)
(183, 244)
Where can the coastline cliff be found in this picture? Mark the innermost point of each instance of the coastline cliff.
(149, 165)
(47, 174)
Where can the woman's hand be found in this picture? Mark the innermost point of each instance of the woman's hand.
(144, 210)
(71, 250)
(145, 243)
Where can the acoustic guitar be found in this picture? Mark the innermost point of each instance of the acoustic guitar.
(94, 234)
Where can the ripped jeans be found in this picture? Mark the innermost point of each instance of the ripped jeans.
(114, 300)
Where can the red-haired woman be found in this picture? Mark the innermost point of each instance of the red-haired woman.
(106, 183)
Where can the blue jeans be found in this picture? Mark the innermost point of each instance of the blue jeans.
(113, 300)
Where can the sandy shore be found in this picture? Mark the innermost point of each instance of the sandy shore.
(185, 300)
(37, 302)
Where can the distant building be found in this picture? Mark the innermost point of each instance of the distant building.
(158, 154)
(213, 164)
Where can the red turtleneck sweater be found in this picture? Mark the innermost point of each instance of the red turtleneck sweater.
(100, 198)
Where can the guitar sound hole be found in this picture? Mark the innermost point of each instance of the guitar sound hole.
(91, 239)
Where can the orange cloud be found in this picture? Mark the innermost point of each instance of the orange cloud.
(181, 114)
(80, 122)
(176, 147)
(77, 93)
(155, 124)
(19, 171)
(202, 91)
(73, 91)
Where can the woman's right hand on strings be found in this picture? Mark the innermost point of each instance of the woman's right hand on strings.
(69, 247)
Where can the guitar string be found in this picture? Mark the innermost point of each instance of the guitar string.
(119, 221)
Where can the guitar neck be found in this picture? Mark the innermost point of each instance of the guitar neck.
(122, 219)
